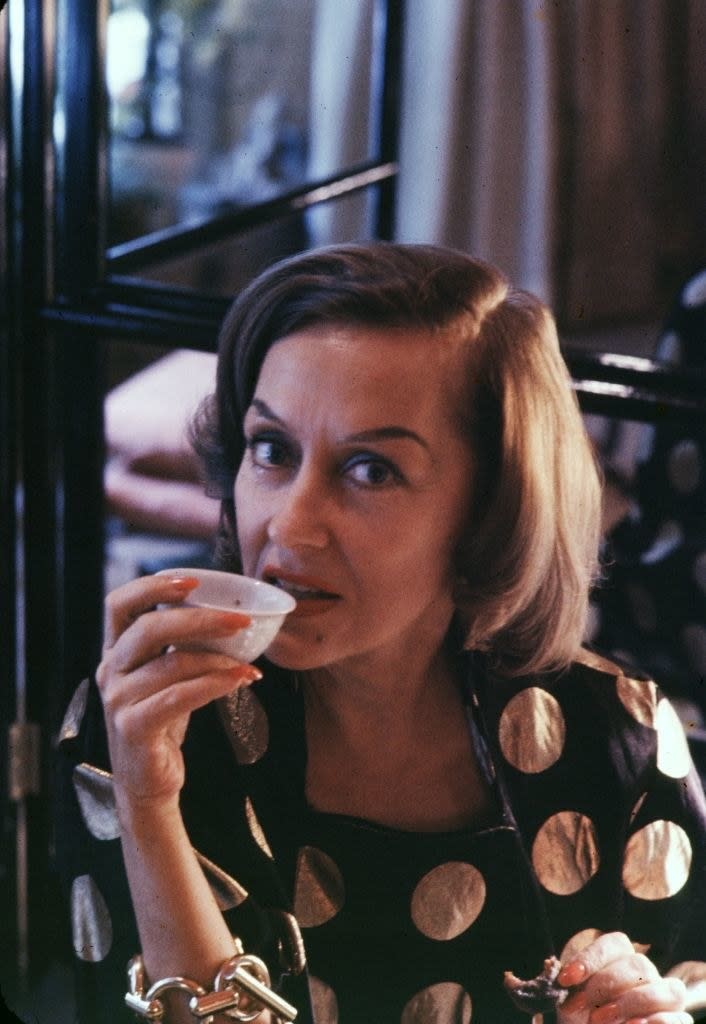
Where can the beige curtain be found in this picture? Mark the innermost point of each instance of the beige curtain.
(564, 141)
(477, 145)
(340, 124)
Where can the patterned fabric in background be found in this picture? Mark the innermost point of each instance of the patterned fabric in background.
(652, 609)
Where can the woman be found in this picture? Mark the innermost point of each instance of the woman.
(427, 781)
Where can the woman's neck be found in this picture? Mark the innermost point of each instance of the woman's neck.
(393, 748)
(357, 698)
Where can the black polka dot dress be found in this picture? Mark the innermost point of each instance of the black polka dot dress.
(599, 823)
(652, 609)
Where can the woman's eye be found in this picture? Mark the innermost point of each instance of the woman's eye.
(373, 472)
(268, 451)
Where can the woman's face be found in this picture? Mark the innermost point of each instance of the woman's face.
(353, 492)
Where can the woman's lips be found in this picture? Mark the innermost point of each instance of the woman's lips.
(312, 595)
(313, 606)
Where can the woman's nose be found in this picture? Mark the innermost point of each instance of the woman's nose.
(298, 516)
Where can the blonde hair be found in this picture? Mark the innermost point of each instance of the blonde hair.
(527, 559)
(530, 555)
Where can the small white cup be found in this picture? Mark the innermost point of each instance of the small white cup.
(266, 605)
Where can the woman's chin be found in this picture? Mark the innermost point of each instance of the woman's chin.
(289, 653)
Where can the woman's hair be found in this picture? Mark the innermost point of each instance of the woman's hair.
(528, 555)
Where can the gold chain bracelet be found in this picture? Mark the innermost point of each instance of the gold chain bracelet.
(241, 988)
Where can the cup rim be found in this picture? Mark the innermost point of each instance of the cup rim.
(180, 572)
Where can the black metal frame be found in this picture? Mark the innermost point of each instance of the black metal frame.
(93, 302)
(65, 299)
(28, 506)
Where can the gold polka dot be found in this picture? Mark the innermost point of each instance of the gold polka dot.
(319, 892)
(90, 921)
(74, 713)
(444, 1003)
(323, 1001)
(596, 661)
(565, 852)
(532, 730)
(256, 829)
(673, 758)
(448, 899)
(228, 892)
(94, 791)
(578, 942)
(657, 861)
(290, 942)
(636, 809)
(246, 724)
(639, 698)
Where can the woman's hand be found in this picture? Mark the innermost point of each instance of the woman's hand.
(612, 984)
(149, 689)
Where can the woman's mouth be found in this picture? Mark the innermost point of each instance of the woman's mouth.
(301, 588)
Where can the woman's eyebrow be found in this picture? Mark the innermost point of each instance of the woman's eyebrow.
(264, 410)
(386, 433)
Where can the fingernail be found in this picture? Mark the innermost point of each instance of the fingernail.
(637, 1020)
(234, 620)
(246, 673)
(607, 1014)
(184, 583)
(572, 974)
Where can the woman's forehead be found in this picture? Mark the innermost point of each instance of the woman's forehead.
(344, 389)
(369, 353)
(373, 370)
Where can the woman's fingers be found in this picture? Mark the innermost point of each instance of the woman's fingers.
(612, 984)
(664, 1018)
(156, 670)
(174, 667)
(158, 710)
(145, 737)
(625, 974)
(601, 952)
(126, 603)
(666, 995)
(642, 1003)
(154, 631)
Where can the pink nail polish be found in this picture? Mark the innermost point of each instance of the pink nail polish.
(607, 1014)
(246, 674)
(233, 620)
(185, 583)
(572, 974)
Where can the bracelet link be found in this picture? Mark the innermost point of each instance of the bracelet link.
(151, 1011)
(241, 989)
(148, 1004)
(135, 995)
(249, 974)
(216, 1002)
